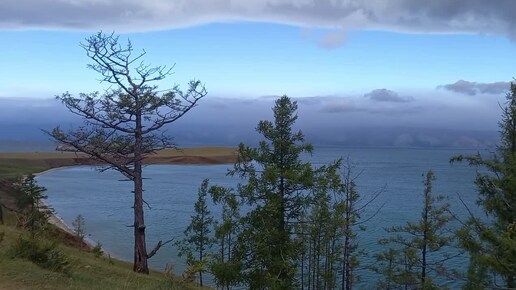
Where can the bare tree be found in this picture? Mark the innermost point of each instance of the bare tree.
(124, 124)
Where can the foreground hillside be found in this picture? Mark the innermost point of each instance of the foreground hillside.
(88, 269)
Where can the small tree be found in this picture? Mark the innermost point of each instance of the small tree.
(78, 227)
(329, 231)
(125, 123)
(198, 238)
(318, 234)
(350, 213)
(391, 264)
(491, 243)
(29, 200)
(224, 266)
(419, 244)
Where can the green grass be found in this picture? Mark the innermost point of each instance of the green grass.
(87, 271)
(16, 167)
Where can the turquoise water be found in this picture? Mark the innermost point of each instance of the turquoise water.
(171, 190)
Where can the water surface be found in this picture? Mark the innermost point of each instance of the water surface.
(171, 191)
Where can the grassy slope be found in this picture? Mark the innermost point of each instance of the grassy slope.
(11, 167)
(88, 272)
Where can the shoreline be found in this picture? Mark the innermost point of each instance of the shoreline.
(40, 163)
(55, 161)
(56, 220)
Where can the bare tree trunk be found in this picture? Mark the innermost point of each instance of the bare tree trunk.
(346, 279)
(346, 271)
(317, 284)
(140, 248)
(425, 234)
(423, 266)
(201, 252)
(333, 261)
(310, 263)
(283, 270)
(303, 267)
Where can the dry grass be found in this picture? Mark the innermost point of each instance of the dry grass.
(198, 151)
(20, 163)
(192, 151)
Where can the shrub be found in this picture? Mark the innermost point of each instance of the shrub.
(170, 281)
(41, 252)
(78, 227)
(97, 250)
(33, 214)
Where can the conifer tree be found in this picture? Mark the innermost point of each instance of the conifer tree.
(329, 231)
(276, 190)
(79, 227)
(350, 218)
(491, 243)
(319, 233)
(418, 246)
(198, 240)
(223, 265)
(29, 199)
(125, 123)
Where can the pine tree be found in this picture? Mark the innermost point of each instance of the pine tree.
(491, 243)
(418, 246)
(319, 233)
(223, 265)
(29, 199)
(79, 227)
(329, 230)
(277, 189)
(198, 240)
(350, 217)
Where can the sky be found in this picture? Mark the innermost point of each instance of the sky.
(434, 65)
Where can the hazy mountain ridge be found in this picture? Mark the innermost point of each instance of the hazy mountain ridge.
(15, 135)
(219, 121)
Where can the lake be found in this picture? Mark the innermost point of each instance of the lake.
(171, 191)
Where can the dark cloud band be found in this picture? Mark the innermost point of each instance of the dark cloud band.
(474, 88)
(437, 16)
(384, 95)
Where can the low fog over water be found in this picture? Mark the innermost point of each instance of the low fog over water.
(379, 118)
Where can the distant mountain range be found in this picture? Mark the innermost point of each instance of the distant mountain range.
(324, 120)
(15, 135)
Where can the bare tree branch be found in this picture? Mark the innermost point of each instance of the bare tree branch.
(157, 247)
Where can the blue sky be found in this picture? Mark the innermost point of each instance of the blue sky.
(255, 59)
(441, 63)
